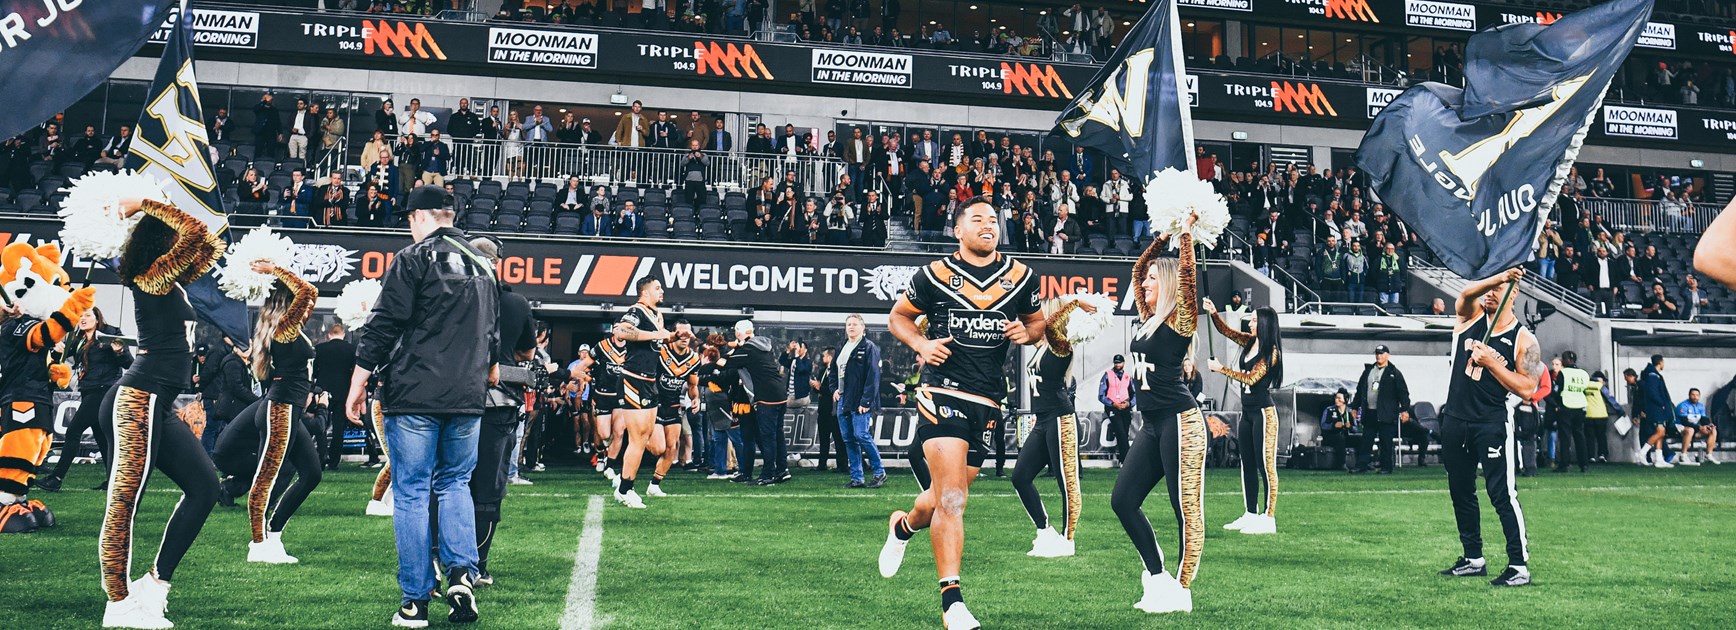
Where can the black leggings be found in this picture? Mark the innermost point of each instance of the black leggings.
(1170, 446)
(488, 483)
(1572, 439)
(147, 434)
(89, 416)
(238, 454)
(831, 435)
(1257, 434)
(1053, 443)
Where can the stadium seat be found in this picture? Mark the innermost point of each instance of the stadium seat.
(477, 221)
(265, 166)
(27, 199)
(512, 205)
(508, 222)
(568, 223)
(482, 204)
(71, 170)
(538, 224)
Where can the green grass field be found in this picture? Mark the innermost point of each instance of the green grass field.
(1622, 547)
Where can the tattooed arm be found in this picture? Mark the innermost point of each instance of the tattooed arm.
(1522, 381)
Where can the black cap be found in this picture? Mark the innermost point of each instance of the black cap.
(1120, 359)
(426, 197)
(1380, 350)
(202, 349)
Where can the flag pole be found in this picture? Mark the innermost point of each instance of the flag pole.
(1200, 266)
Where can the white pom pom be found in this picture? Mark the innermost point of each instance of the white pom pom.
(1172, 195)
(91, 211)
(356, 302)
(1083, 325)
(239, 280)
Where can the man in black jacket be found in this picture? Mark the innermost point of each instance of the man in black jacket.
(1383, 401)
(333, 362)
(464, 126)
(753, 358)
(235, 394)
(432, 335)
(500, 414)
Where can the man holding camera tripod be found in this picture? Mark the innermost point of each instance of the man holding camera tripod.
(500, 414)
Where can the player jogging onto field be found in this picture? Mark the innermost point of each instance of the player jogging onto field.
(641, 327)
(675, 378)
(605, 396)
(977, 301)
(1475, 427)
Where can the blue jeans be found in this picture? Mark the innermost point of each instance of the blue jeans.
(1546, 266)
(701, 433)
(774, 450)
(208, 439)
(432, 456)
(859, 443)
(1139, 228)
(1355, 290)
(720, 443)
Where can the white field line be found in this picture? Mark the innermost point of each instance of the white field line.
(581, 611)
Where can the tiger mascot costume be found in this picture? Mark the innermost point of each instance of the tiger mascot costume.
(40, 310)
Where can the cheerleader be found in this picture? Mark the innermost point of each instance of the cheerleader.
(1260, 365)
(1054, 442)
(281, 358)
(1171, 446)
(165, 251)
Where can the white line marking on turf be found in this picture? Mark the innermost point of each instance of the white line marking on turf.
(581, 610)
(567, 495)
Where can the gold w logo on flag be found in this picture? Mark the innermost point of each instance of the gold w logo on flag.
(1119, 104)
(1471, 164)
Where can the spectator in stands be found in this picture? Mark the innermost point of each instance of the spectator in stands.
(587, 134)
(464, 126)
(1548, 251)
(1065, 235)
(629, 223)
(1355, 270)
(387, 187)
(115, 152)
(1604, 275)
(1382, 402)
(1091, 213)
(372, 150)
(693, 174)
(220, 126)
(300, 121)
(88, 148)
(942, 38)
(572, 198)
(718, 139)
(1659, 306)
(1647, 267)
(1264, 254)
(1329, 268)
(633, 127)
(331, 134)
(1656, 412)
(252, 190)
(1032, 236)
(761, 142)
(1337, 426)
(298, 195)
(1626, 264)
(409, 157)
(334, 201)
(664, 133)
(512, 145)
(838, 218)
(267, 127)
(1388, 276)
(873, 217)
(598, 222)
(415, 121)
(1692, 420)
(385, 120)
(435, 158)
(697, 129)
(1693, 298)
(1600, 185)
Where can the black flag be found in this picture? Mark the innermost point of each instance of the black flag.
(56, 54)
(1136, 109)
(1476, 171)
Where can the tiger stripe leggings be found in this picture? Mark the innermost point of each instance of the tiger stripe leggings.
(279, 423)
(1257, 434)
(1171, 446)
(148, 434)
(382, 481)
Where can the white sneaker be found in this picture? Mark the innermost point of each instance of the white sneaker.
(538, 468)
(959, 618)
(1643, 457)
(1707, 458)
(150, 593)
(519, 481)
(1163, 594)
(133, 612)
(1688, 459)
(602, 465)
(610, 473)
(655, 491)
(1662, 462)
(1261, 524)
(1050, 544)
(892, 555)
(271, 551)
(631, 499)
(615, 482)
(1241, 522)
(379, 508)
(716, 476)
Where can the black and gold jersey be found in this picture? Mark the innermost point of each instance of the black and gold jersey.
(672, 372)
(606, 367)
(642, 356)
(971, 304)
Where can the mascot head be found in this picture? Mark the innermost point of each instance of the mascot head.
(33, 279)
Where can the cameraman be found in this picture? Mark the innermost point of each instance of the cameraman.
(500, 414)
(838, 217)
(693, 175)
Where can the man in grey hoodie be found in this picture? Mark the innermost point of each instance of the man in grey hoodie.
(761, 376)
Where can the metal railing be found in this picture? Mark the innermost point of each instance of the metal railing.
(602, 164)
(1651, 215)
(1452, 283)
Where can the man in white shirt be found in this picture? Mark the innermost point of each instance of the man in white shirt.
(1117, 198)
(413, 120)
(298, 131)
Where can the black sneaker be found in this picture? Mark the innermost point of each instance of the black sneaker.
(772, 481)
(461, 596)
(877, 481)
(50, 483)
(783, 476)
(1464, 568)
(484, 578)
(1512, 577)
(740, 478)
(225, 499)
(411, 615)
(855, 484)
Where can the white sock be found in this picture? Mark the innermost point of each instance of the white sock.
(7, 498)
(1522, 570)
(1475, 562)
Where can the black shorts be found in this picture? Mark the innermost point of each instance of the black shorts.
(603, 403)
(638, 393)
(955, 414)
(668, 415)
